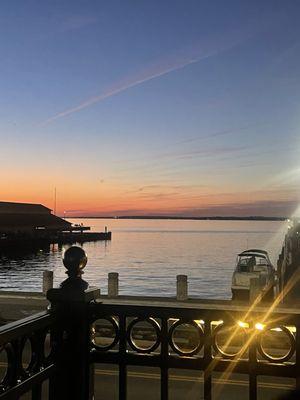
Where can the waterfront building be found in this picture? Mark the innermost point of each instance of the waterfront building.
(29, 219)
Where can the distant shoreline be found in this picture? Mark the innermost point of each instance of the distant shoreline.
(213, 218)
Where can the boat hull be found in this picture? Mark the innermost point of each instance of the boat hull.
(240, 294)
(244, 294)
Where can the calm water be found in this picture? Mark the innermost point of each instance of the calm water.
(148, 254)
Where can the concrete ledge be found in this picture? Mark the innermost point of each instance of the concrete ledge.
(17, 305)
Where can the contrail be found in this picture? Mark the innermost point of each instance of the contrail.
(118, 89)
(206, 50)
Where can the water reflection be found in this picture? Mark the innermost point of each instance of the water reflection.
(21, 269)
(149, 254)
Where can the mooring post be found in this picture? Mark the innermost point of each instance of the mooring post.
(182, 287)
(113, 284)
(47, 281)
(73, 379)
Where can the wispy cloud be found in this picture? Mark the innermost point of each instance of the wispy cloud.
(283, 208)
(75, 211)
(222, 132)
(204, 152)
(185, 57)
(168, 159)
(114, 91)
(274, 208)
(165, 189)
(62, 25)
(212, 152)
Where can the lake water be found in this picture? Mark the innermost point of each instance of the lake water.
(148, 254)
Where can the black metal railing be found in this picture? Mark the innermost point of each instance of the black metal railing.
(65, 344)
(27, 359)
(208, 340)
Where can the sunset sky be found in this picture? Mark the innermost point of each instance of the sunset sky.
(151, 107)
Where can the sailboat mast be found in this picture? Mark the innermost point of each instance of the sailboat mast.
(54, 201)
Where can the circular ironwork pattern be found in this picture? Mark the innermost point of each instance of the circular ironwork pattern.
(116, 337)
(218, 349)
(268, 356)
(4, 377)
(14, 368)
(29, 353)
(130, 338)
(200, 338)
(47, 347)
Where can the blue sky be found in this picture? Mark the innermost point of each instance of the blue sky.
(151, 107)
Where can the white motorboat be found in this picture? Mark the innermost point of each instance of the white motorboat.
(253, 263)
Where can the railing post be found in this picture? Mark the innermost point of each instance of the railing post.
(298, 355)
(253, 364)
(255, 289)
(71, 343)
(164, 370)
(207, 373)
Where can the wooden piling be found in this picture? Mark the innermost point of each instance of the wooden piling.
(182, 287)
(47, 281)
(113, 284)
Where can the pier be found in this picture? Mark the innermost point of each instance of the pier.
(24, 225)
(35, 242)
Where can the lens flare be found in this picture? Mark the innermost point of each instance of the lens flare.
(259, 326)
(243, 324)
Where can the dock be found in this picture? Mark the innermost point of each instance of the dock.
(31, 226)
(80, 237)
(23, 242)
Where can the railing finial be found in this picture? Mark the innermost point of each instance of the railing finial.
(74, 260)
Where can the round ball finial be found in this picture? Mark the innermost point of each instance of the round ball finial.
(74, 260)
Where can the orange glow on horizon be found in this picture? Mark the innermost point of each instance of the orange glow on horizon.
(81, 197)
(81, 194)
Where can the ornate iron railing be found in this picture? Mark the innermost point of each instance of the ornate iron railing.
(27, 359)
(222, 340)
(84, 332)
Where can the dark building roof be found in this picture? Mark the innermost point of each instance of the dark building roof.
(25, 217)
(22, 208)
(32, 221)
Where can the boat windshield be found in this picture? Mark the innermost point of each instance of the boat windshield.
(252, 264)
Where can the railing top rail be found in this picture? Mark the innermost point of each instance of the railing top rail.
(208, 311)
(202, 307)
(207, 305)
(25, 326)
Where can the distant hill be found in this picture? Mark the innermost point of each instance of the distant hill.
(210, 218)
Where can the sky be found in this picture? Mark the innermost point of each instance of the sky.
(184, 108)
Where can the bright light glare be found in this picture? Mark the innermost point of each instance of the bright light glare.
(243, 324)
(217, 322)
(276, 329)
(199, 321)
(259, 326)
